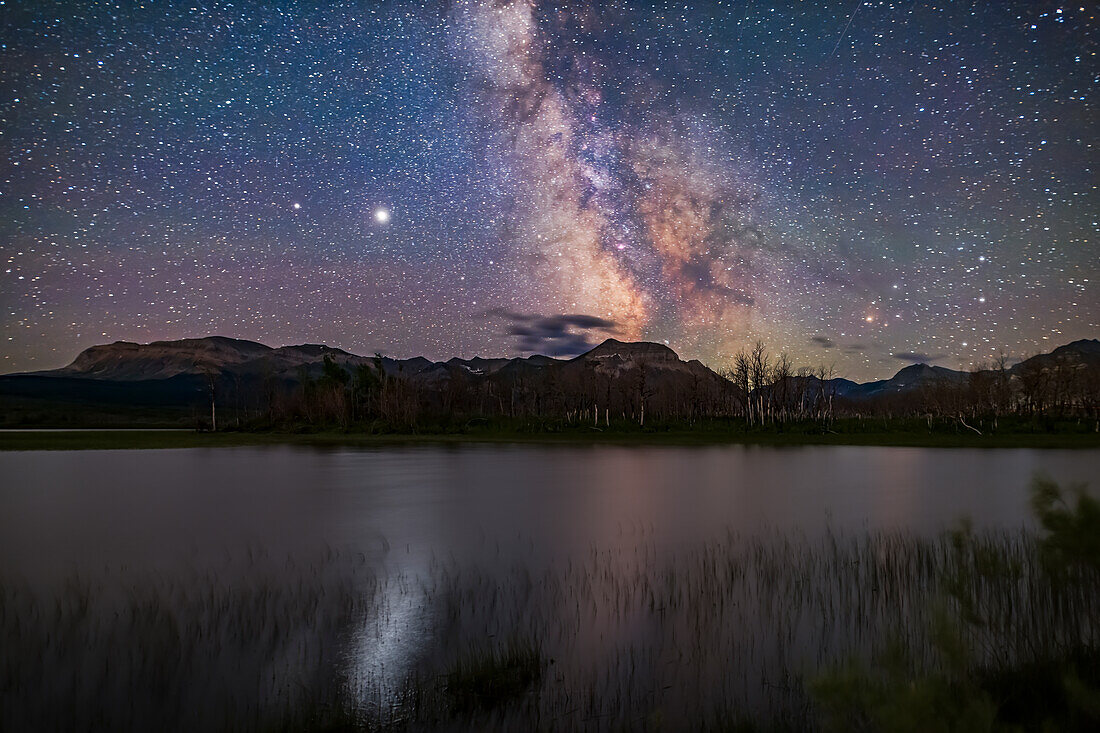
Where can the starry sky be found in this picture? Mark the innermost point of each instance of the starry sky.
(857, 183)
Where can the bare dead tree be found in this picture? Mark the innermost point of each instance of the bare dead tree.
(759, 368)
(742, 381)
(780, 387)
(826, 391)
(211, 377)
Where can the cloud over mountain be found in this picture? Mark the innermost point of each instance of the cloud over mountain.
(555, 335)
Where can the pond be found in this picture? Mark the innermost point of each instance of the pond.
(222, 588)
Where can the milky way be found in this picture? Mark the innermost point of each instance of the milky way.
(908, 180)
(626, 208)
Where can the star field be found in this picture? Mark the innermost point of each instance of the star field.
(851, 182)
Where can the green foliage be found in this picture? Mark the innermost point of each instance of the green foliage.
(972, 567)
(1072, 532)
(890, 697)
(892, 694)
(367, 380)
(972, 679)
(332, 374)
(1082, 697)
(304, 377)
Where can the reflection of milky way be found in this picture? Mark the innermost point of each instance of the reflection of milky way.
(634, 221)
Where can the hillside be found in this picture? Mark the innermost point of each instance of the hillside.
(171, 381)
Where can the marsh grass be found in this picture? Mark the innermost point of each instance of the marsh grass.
(1013, 642)
(123, 651)
(723, 634)
(488, 679)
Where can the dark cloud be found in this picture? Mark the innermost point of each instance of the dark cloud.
(821, 341)
(916, 356)
(855, 347)
(557, 335)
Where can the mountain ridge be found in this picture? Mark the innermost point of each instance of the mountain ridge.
(162, 359)
(182, 374)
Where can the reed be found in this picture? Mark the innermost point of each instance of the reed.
(724, 634)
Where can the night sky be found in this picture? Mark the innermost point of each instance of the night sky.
(863, 184)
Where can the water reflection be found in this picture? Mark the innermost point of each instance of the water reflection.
(241, 581)
(389, 641)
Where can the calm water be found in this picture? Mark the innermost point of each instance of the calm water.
(445, 547)
(62, 509)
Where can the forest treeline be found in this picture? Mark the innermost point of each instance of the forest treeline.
(758, 389)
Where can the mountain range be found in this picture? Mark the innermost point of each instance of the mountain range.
(176, 375)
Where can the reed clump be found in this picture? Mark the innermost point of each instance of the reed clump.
(486, 679)
(984, 666)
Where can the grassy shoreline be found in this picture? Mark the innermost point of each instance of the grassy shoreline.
(970, 630)
(23, 440)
